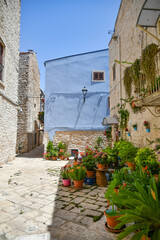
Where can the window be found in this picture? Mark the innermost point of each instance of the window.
(1, 61)
(98, 76)
(114, 72)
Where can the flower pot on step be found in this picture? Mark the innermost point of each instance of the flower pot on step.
(90, 174)
(111, 220)
(66, 182)
(78, 183)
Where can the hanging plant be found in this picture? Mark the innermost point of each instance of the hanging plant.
(148, 62)
(127, 81)
(135, 73)
(124, 115)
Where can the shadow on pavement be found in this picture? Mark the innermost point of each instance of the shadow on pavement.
(78, 214)
(35, 153)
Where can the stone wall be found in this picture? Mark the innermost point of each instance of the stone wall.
(79, 139)
(9, 37)
(29, 101)
(127, 44)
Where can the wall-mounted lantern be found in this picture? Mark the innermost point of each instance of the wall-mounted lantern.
(84, 92)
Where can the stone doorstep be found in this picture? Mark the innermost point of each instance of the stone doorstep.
(44, 236)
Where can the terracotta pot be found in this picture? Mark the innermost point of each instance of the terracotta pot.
(66, 182)
(112, 220)
(47, 158)
(116, 190)
(62, 158)
(78, 183)
(54, 158)
(145, 238)
(101, 166)
(90, 174)
(130, 164)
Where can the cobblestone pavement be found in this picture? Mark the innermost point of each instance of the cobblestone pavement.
(33, 201)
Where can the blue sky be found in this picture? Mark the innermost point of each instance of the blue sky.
(57, 28)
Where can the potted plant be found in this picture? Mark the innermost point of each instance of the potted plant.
(127, 153)
(141, 212)
(144, 156)
(112, 217)
(49, 146)
(101, 159)
(89, 163)
(54, 154)
(62, 145)
(112, 156)
(77, 174)
(153, 166)
(134, 126)
(65, 175)
(47, 155)
(146, 124)
(61, 154)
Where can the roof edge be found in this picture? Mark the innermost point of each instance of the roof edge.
(74, 55)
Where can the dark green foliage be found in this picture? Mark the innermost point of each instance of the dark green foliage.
(49, 146)
(148, 62)
(62, 145)
(127, 80)
(142, 209)
(127, 152)
(89, 162)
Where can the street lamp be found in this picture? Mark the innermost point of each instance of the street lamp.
(84, 92)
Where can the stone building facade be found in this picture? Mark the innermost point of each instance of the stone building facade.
(28, 134)
(77, 139)
(127, 44)
(9, 67)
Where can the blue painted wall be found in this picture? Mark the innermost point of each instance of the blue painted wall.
(64, 106)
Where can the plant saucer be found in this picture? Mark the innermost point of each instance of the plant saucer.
(114, 230)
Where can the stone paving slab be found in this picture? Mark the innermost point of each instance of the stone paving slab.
(45, 236)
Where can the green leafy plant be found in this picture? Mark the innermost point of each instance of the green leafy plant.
(65, 171)
(47, 155)
(77, 173)
(148, 62)
(89, 162)
(123, 116)
(98, 142)
(141, 211)
(134, 125)
(54, 153)
(144, 156)
(62, 145)
(101, 158)
(112, 155)
(127, 81)
(49, 146)
(127, 152)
